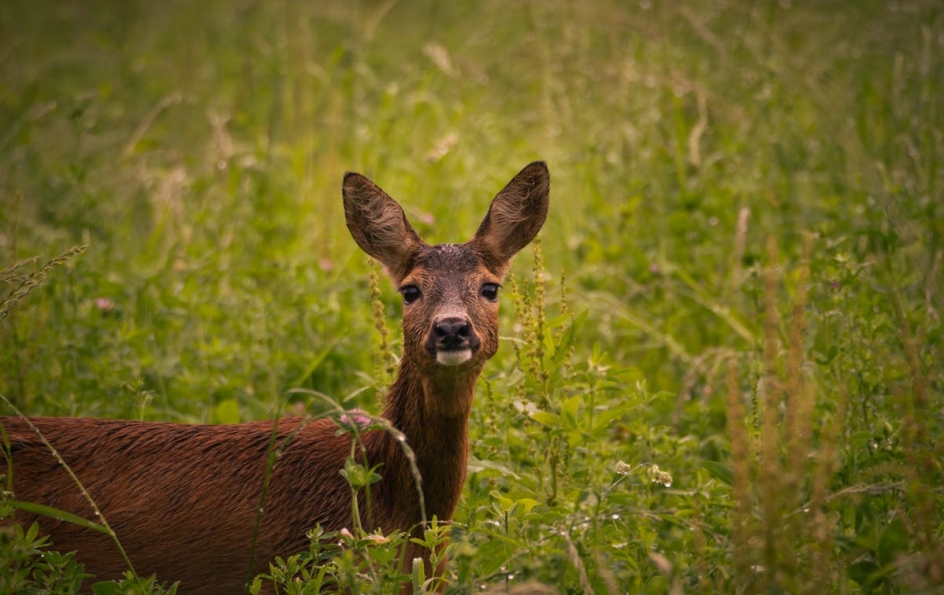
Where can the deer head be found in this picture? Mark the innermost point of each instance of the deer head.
(450, 291)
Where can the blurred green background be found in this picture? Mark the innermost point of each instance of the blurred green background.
(753, 186)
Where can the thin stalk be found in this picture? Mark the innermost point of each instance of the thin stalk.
(88, 497)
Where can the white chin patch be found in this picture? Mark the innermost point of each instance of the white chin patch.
(453, 358)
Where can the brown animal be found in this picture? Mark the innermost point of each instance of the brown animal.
(183, 499)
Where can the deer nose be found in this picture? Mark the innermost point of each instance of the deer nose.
(452, 332)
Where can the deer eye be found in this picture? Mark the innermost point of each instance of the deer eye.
(410, 293)
(490, 292)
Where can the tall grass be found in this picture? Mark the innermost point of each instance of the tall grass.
(738, 291)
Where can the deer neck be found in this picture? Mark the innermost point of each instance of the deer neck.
(432, 410)
(419, 397)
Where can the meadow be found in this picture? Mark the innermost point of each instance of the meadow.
(721, 366)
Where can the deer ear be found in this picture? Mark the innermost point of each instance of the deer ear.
(516, 215)
(379, 225)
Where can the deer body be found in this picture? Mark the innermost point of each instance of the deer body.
(184, 499)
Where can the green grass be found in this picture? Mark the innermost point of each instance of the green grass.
(739, 283)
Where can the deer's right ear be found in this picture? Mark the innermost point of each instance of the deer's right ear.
(379, 225)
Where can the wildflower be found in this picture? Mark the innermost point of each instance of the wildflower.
(653, 472)
(355, 418)
(657, 475)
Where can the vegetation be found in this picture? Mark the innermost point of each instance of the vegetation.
(721, 368)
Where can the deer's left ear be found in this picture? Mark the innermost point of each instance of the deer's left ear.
(516, 214)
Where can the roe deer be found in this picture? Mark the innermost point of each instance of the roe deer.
(183, 499)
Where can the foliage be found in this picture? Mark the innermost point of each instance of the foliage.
(29, 568)
(721, 367)
(357, 562)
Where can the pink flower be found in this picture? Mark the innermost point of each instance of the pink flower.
(355, 418)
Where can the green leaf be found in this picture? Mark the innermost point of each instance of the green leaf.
(569, 411)
(226, 412)
(61, 515)
(861, 571)
(719, 471)
(107, 588)
(419, 576)
(506, 504)
(527, 504)
(893, 542)
(568, 338)
(492, 554)
(546, 419)
(358, 475)
(476, 465)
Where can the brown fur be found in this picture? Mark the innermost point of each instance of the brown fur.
(183, 499)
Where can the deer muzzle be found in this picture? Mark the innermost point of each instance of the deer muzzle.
(452, 341)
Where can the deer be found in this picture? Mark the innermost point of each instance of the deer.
(183, 499)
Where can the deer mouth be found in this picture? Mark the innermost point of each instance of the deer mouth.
(453, 356)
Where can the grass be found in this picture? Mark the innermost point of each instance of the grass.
(739, 284)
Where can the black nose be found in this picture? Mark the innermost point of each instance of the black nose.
(451, 332)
